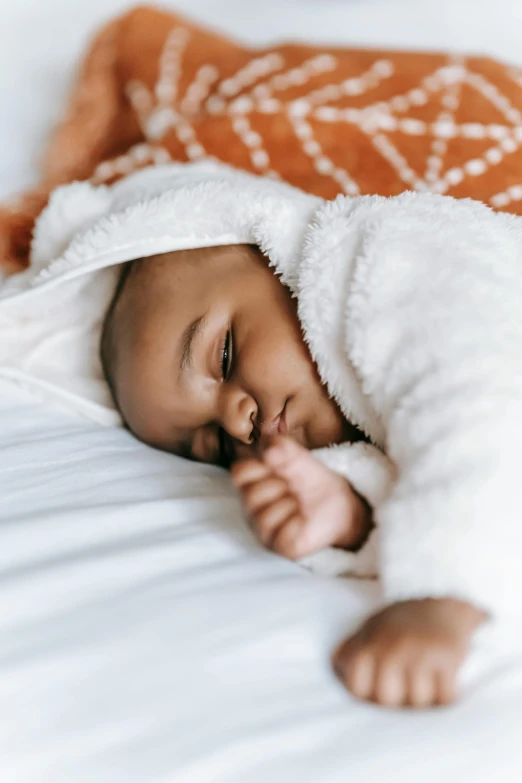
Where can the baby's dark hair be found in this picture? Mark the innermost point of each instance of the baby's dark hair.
(108, 342)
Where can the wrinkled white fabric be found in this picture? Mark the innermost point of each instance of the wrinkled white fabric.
(147, 638)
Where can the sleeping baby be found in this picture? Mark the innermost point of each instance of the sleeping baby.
(206, 358)
(357, 364)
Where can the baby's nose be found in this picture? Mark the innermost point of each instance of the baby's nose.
(239, 415)
(241, 430)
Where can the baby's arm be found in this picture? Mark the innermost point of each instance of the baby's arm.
(407, 654)
(434, 331)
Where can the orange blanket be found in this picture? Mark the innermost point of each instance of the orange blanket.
(154, 87)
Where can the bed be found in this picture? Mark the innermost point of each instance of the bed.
(144, 636)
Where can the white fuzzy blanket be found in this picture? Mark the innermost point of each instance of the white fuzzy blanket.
(411, 308)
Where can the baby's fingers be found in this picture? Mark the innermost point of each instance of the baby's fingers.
(446, 686)
(423, 687)
(263, 493)
(285, 456)
(295, 539)
(267, 522)
(249, 471)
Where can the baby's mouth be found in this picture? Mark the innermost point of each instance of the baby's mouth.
(282, 426)
(275, 426)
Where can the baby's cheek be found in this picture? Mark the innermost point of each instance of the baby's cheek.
(327, 426)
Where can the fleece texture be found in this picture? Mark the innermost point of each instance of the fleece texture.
(411, 307)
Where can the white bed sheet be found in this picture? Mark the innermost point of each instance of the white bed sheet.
(144, 637)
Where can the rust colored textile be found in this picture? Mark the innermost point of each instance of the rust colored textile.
(154, 87)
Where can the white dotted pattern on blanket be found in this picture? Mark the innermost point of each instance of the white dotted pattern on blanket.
(258, 87)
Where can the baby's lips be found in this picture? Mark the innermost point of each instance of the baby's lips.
(275, 426)
(269, 428)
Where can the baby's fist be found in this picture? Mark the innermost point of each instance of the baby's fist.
(409, 654)
(297, 505)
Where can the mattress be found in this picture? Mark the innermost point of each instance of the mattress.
(144, 635)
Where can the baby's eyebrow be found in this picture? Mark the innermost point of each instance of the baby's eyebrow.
(187, 343)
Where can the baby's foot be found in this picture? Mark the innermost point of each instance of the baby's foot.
(297, 505)
(409, 654)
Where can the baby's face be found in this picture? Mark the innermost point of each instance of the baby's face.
(208, 358)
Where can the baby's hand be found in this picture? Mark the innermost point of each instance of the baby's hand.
(297, 505)
(409, 654)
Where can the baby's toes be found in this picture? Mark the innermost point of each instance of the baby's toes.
(268, 520)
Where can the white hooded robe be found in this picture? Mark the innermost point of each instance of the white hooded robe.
(412, 310)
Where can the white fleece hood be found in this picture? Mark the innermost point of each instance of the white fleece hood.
(51, 315)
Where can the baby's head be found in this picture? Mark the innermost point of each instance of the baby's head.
(205, 357)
